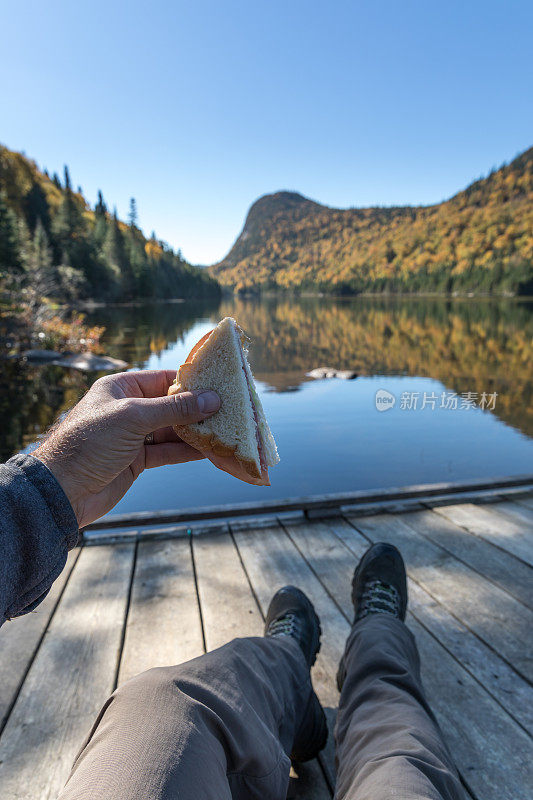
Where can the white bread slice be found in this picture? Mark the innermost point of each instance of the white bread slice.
(237, 438)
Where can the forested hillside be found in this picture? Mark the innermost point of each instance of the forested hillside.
(481, 240)
(54, 245)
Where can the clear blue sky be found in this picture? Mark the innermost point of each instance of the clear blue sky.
(197, 108)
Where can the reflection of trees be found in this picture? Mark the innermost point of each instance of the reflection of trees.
(468, 346)
(134, 332)
(32, 398)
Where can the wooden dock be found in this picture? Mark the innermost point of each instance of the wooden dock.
(133, 599)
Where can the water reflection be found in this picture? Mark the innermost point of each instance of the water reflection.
(478, 346)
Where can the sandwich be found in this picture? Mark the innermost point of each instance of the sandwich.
(237, 438)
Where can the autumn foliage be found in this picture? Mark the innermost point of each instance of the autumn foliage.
(481, 241)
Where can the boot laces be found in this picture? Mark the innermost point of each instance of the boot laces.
(379, 598)
(287, 625)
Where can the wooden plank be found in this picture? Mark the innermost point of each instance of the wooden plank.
(497, 618)
(526, 500)
(493, 674)
(496, 528)
(271, 560)
(71, 677)
(335, 500)
(229, 609)
(519, 513)
(228, 606)
(489, 747)
(20, 638)
(491, 671)
(487, 496)
(493, 753)
(164, 625)
(501, 567)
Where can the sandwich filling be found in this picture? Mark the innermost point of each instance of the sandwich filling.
(260, 448)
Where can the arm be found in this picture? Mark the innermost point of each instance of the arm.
(37, 528)
(81, 471)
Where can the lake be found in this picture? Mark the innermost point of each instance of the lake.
(432, 362)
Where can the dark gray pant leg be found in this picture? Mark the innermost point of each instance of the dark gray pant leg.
(218, 727)
(388, 742)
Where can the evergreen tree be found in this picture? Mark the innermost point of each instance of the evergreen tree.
(56, 181)
(100, 222)
(100, 208)
(36, 207)
(132, 216)
(9, 246)
(69, 223)
(40, 268)
(114, 251)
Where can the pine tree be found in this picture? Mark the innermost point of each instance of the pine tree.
(36, 207)
(9, 246)
(100, 208)
(40, 268)
(132, 216)
(100, 222)
(69, 223)
(56, 181)
(114, 251)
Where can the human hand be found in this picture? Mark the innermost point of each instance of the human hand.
(99, 449)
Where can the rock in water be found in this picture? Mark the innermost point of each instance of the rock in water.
(40, 356)
(329, 372)
(319, 372)
(346, 374)
(89, 362)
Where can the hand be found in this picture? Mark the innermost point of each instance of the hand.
(98, 450)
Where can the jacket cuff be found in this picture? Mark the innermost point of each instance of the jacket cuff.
(53, 495)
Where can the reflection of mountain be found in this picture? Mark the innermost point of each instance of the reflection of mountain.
(468, 346)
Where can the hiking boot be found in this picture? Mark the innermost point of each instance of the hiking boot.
(291, 613)
(379, 586)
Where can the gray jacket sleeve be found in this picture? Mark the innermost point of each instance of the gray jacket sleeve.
(37, 529)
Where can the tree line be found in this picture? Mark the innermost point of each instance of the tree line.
(54, 245)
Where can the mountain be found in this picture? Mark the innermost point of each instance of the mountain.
(481, 240)
(54, 245)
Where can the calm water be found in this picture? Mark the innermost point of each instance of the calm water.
(330, 435)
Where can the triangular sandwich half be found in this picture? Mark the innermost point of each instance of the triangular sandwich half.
(237, 438)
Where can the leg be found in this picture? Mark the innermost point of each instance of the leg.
(221, 726)
(388, 742)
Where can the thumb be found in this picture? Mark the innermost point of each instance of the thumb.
(176, 409)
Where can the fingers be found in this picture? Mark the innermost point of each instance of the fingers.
(151, 413)
(146, 383)
(157, 455)
(154, 383)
